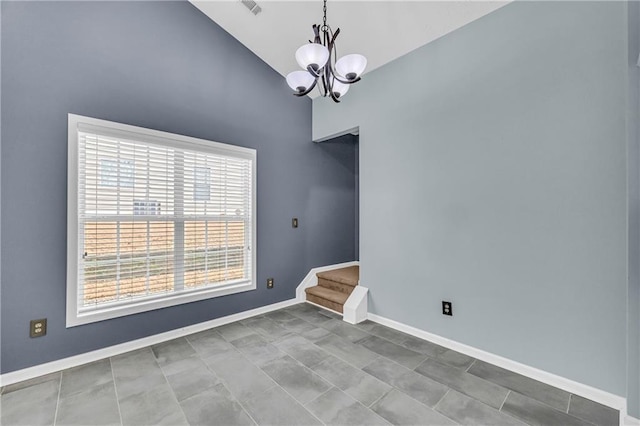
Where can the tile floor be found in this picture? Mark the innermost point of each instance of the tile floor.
(296, 366)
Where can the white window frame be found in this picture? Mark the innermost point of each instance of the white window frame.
(74, 317)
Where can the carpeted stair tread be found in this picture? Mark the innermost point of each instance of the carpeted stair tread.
(327, 294)
(336, 286)
(349, 275)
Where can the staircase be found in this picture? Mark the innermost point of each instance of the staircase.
(334, 287)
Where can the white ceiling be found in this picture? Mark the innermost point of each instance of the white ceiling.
(380, 30)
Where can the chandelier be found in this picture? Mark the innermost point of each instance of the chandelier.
(318, 60)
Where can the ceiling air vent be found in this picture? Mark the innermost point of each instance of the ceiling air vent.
(252, 6)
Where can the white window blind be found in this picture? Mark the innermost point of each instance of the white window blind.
(159, 219)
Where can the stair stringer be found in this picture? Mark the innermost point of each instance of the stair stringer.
(356, 309)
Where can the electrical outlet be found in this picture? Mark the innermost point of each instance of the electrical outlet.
(38, 328)
(269, 282)
(294, 222)
(447, 308)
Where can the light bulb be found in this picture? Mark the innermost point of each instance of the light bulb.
(300, 80)
(312, 54)
(351, 66)
(339, 89)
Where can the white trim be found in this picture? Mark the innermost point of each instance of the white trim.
(631, 421)
(156, 136)
(157, 303)
(311, 279)
(72, 219)
(356, 307)
(76, 123)
(352, 131)
(597, 395)
(76, 360)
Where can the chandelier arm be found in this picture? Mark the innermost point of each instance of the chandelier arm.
(335, 75)
(334, 97)
(313, 72)
(321, 83)
(326, 36)
(326, 83)
(333, 38)
(325, 86)
(333, 50)
(306, 92)
(316, 32)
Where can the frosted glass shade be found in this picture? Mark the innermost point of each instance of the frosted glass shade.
(339, 89)
(313, 54)
(300, 80)
(351, 66)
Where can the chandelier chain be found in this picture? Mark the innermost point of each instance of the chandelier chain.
(324, 19)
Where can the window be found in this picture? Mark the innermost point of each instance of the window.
(202, 189)
(117, 172)
(154, 220)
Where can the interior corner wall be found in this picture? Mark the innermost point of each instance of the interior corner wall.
(357, 196)
(633, 166)
(0, 185)
(166, 66)
(493, 175)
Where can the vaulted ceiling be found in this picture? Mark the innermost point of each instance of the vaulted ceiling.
(380, 30)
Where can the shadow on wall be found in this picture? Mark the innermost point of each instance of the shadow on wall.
(345, 150)
(341, 149)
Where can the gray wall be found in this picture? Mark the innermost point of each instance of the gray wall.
(493, 175)
(633, 166)
(161, 65)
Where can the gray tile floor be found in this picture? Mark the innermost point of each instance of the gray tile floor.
(296, 366)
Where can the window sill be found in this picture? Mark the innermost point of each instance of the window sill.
(163, 301)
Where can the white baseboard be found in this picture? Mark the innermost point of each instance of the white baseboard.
(51, 367)
(631, 421)
(597, 395)
(311, 278)
(76, 360)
